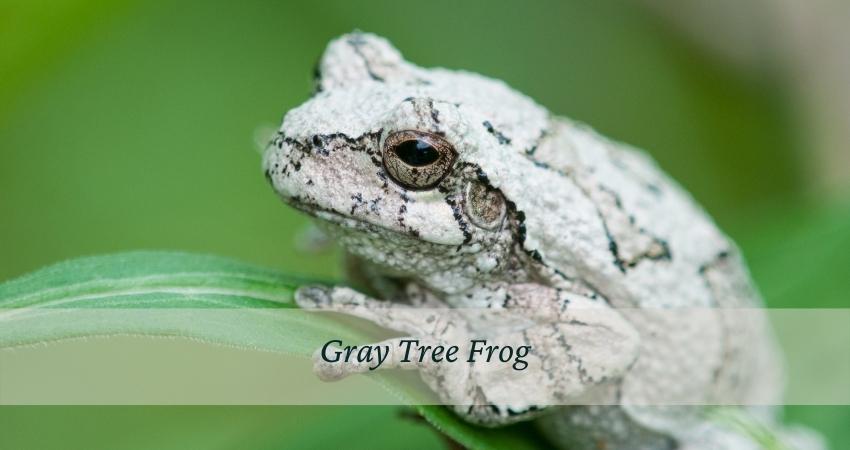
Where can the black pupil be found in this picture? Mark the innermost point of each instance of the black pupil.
(417, 153)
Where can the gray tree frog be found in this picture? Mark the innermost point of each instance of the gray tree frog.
(449, 189)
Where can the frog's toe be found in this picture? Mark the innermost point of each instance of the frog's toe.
(313, 297)
(333, 371)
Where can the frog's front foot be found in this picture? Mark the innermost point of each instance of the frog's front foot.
(395, 316)
(572, 347)
(313, 297)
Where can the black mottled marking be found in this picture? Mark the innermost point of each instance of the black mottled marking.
(544, 165)
(356, 41)
(496, 133)
(595, 291)
(519, 237)
(521, 231)
(521, 234)
(324, 144)
(561, 274)
(317, 77)
(281, 139)
(565, 302)
(665, 254)
(519, 412)
(578, 323)
(435, 114)
(383, 177)
(482, 177)
(358, 202)
(355, 143)
(402, 210)
(535, 255)
(654, 189)
(543, 134)
(507, 300)
(718, 258)
(614, 248)
(515, 216)
(617, 201)
(612, 243)
(461, 222)
(571, 357)
(374, 205)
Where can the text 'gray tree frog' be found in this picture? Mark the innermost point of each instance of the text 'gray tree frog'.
(449, 189)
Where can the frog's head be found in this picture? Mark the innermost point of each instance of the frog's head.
(405, 163)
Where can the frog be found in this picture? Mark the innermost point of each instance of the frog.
(451, 191)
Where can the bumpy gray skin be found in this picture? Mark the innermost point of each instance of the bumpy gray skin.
(585, 223)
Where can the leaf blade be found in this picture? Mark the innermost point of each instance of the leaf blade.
(154, 294)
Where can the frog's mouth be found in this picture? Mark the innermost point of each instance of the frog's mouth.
(316, 211)
(335, 218)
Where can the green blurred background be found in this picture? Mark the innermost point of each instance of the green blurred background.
(131, 125)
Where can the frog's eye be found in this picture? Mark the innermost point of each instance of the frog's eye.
(417, 160)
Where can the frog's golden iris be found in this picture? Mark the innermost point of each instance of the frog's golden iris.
(417, 160)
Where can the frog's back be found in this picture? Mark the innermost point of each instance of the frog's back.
(650, 244)
(656, 255)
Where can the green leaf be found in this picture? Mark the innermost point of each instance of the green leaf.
(744, 423)
(40, 308)
(800, 260)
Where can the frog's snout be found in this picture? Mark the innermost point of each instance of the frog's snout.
(278, 165)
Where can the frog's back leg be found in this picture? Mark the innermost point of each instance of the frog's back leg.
(612, 428)
(599, 426)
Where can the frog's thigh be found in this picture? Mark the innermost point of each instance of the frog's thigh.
(566, 363)
(613, 428)
(745, 432)
(400, 317)
(600, 426)
(580, 341)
